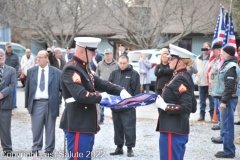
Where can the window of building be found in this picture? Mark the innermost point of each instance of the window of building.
(186, 43)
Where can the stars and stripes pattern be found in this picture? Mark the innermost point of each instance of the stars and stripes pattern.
(217, 37)
(230, 39)
(135, 101)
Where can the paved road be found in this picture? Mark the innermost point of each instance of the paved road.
(198, 147)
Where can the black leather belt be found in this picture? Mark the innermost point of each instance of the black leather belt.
(41, 99)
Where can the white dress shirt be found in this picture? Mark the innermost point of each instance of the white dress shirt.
(59, 62)
(42, 94)
(66, 57)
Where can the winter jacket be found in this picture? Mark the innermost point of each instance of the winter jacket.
(163, 74)
(144, 71)
(27, 63)
(104, 70)
(202, 66)
(129, 79)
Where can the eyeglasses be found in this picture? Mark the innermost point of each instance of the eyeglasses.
(107, 53)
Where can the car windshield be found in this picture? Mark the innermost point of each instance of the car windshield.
(18, 50)
(135, 56)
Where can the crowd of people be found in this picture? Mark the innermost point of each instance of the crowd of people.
(87, 79)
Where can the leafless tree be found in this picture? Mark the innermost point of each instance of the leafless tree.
(48, 20)
(236, 15)
(149, 23)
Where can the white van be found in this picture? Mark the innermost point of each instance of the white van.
(153, 56)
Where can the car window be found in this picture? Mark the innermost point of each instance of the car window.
(2, 46)
(18, 50)
(135, 56)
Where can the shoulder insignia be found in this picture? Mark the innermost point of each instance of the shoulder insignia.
(76, 78)
(182, 88)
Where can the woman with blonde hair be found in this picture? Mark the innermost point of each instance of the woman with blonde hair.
(162, 72)
(176, 103)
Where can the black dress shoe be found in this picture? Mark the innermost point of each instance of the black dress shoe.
(33, 154)
(118, 151)
(49, 154)
(9, 154)
(221, 154)
(130, 153)
(216, 127)
(237, 123)
(217, 140)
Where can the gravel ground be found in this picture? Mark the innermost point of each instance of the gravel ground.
(199, 145)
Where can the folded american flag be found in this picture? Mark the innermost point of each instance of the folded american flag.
(135, 101)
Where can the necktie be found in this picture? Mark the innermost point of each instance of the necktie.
(1, 74)
(42, 81)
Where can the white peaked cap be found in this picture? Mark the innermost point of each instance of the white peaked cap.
(90, 42)
(179, 52)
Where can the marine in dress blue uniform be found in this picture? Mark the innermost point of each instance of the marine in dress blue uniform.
(79, 119)
(176, 104)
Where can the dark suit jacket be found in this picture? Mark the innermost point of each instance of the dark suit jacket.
(6, 87)
(70, 55)
(54, 61)
(54, 88)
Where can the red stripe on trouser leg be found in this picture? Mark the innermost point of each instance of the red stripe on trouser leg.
(75, 150)
(169, 146)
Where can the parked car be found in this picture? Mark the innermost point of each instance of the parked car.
(153, 57)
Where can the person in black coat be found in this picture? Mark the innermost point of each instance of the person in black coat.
(55, 58)
(124, 120)
(176, 104)
(162, 72)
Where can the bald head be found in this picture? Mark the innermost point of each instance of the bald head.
(42, 58)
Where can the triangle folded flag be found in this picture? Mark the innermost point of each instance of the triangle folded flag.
(134, 101)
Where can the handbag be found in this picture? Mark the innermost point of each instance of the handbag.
(22, 76)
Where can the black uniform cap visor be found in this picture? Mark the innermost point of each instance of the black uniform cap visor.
(172, 56)
(89, 48)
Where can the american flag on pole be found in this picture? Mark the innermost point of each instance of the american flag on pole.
(135, 101)
(229, 39)
(217, 37)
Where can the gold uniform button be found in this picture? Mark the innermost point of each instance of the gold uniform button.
(85, 107)
(84, 64)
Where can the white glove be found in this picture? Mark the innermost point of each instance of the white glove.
(161, 103)
(105, 95)
(124, 94)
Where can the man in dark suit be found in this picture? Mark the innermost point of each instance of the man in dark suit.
(121, 50)
(55, 58)
(7, 84)
(12, 60)
(42, 101)
(67, 55)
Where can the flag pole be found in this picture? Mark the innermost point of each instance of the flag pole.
(230, 10)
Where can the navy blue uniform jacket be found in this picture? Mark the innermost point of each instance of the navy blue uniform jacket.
(78, 82)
